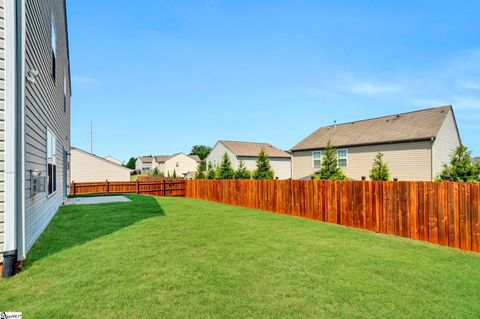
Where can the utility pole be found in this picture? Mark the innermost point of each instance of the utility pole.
(91, 137)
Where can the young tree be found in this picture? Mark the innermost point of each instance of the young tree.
(225, 170)
(264, 170)
(155, 172)
(461, 167)
(168, 174)
(131, 163)
(174, 175)
(329, 169)
(242, 172)
(201, 170)
(211, 174)
(201, 150)
(380, 171)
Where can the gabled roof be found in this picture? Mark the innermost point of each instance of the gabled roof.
(405, 127)
(145, 159)
(164, 158)
(195, 157)
(100, 158)
(252, 149)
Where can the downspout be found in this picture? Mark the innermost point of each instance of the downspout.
(11, 141)
(14, 243)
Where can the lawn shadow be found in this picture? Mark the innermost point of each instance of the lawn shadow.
(77, 224)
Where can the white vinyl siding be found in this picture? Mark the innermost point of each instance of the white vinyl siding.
(86, 167)
(407, 161)
(446, 142)
(44, 107)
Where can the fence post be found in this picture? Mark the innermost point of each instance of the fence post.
(138, 187)
(106, 186)
(164, 188)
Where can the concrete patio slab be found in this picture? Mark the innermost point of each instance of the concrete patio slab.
(96, 200)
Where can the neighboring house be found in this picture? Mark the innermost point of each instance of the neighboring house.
(248, 153)
(143, 164)
(87, 167)
(181, 163)
(113, 159)
(415, 145)
(34, 122)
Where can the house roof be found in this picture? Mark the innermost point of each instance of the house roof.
(251, 149)
(412, 126)
(100, 158)
(164, 158)
(145, 159)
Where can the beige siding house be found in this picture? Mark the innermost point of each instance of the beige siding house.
(113, 159)
(143, 164)
(86, 167)
(180, 163)
(415, 145)
(34, 121)
(248, 153)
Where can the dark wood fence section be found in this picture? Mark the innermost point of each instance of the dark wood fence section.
(442, 213)
(164, 187)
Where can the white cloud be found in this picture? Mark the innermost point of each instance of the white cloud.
(366, 88)
(84, 80)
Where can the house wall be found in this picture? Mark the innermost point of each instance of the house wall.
(2, 126)
(44, 107)
(216, 155)
(407, 161)
(446, 142)
(142, 167)
(281, 166)
(89, 168)
(114, 160)
(160, 166)
(185, 164)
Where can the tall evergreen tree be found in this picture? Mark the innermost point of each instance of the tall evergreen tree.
(155, 172)
(211, 174)
(131, 163)
(380, 171)
(225, 169)
(264, 169)
(242, 172)
(329, 169)
(174, 175)
(461, 167)
(201, 170)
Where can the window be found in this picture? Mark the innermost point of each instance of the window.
(53, 34)
(176, 164)
(342, 157)
(317, 159)
(51, 162)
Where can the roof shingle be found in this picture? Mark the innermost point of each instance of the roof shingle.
(252, 149)
(411, 126)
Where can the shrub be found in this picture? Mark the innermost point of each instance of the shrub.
(461, 168)
(329, 169)
(264, 170)
(201, 170)
(380, 171)
(242, 172)
(225, 169)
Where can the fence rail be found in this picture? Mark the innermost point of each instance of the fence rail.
(441, 213)
(165, 187)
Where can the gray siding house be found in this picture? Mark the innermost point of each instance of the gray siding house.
(415, 145)
(34, 122)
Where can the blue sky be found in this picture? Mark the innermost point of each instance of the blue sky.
(157, 77)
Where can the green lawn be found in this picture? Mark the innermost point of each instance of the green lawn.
(174, 257)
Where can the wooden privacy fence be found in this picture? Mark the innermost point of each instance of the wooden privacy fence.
(165, 187)
(441, 213)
